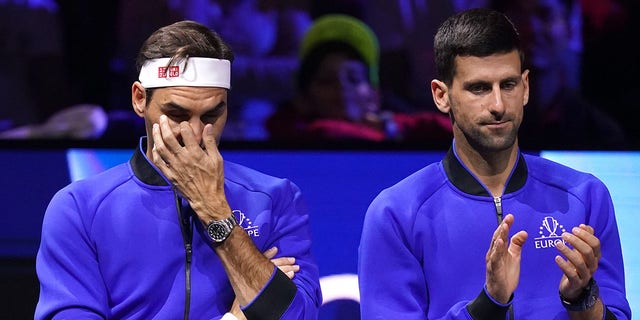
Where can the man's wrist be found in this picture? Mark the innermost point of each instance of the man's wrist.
(586, 300)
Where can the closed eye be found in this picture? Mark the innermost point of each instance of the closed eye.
(215, 113)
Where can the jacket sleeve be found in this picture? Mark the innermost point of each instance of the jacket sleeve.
(610, 273)
(391, 277)
(283, 298)
(66, 265)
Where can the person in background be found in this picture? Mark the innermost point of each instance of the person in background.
(490, 232)
(265, 36)
(177, 232)
(337, 94)
(33, 72)
(406, 61)
(559, 116)
(38, 98)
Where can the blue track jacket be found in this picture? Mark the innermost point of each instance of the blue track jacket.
(113, 247)
(424, 241)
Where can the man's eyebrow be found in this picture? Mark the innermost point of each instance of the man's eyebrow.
(471, 83)
(512, 79)
(484, 82)
(172, 105)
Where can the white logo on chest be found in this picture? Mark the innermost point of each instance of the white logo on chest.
(247, 224)
(550, 233)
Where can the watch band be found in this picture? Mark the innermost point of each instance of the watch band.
(586, 300)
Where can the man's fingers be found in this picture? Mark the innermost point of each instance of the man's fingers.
(290, 271)
(500, 233)
(287, 268)
(165, 144)
(284, 261)
(168, 137)
(285, 264)
(271, 252)
(209, 138)
(189, 139)
(508, 219)
(573, 264)
(158, 148)
(591, 248)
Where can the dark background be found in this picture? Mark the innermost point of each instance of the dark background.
(99, 39)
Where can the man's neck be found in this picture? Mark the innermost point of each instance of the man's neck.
(492, 168)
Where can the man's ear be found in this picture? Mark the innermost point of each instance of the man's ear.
(440, 97)
(138, 98)
(525, 82)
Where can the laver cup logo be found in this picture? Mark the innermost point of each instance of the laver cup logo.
(550, 232)
(247, 224)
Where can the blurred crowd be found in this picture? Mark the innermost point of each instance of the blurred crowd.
(335, 70)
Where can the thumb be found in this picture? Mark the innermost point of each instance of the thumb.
(517, 241)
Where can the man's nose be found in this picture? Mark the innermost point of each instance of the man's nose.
(496, 105)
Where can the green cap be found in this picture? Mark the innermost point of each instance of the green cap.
(346, 29)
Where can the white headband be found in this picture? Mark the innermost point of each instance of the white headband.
(199, 72)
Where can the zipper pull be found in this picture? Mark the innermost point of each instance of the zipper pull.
(498, 203)
(188, 252)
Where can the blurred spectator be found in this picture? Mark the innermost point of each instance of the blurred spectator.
(264, 35)
(558, 116)
(405, 29)
(337, 94)
(134, 23)
(609, 55)
(33, 78)
(80, 122)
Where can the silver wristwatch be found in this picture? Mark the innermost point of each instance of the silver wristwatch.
(219, 230)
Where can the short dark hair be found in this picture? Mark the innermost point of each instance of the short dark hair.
(183, 39)
(477, 32)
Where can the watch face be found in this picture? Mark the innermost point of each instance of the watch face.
(218, 232)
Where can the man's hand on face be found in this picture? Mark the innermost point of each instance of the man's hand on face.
(194, 167)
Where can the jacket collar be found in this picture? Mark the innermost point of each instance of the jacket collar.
(466, 182)
(142, 167)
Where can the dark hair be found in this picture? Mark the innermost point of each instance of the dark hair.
(310, 63)
(182, 40)
(477, 32)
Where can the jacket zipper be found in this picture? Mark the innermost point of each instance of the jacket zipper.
(186, 227)
(498, 203)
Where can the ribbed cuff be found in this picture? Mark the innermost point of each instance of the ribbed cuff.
(484, 307)
(274, 300)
